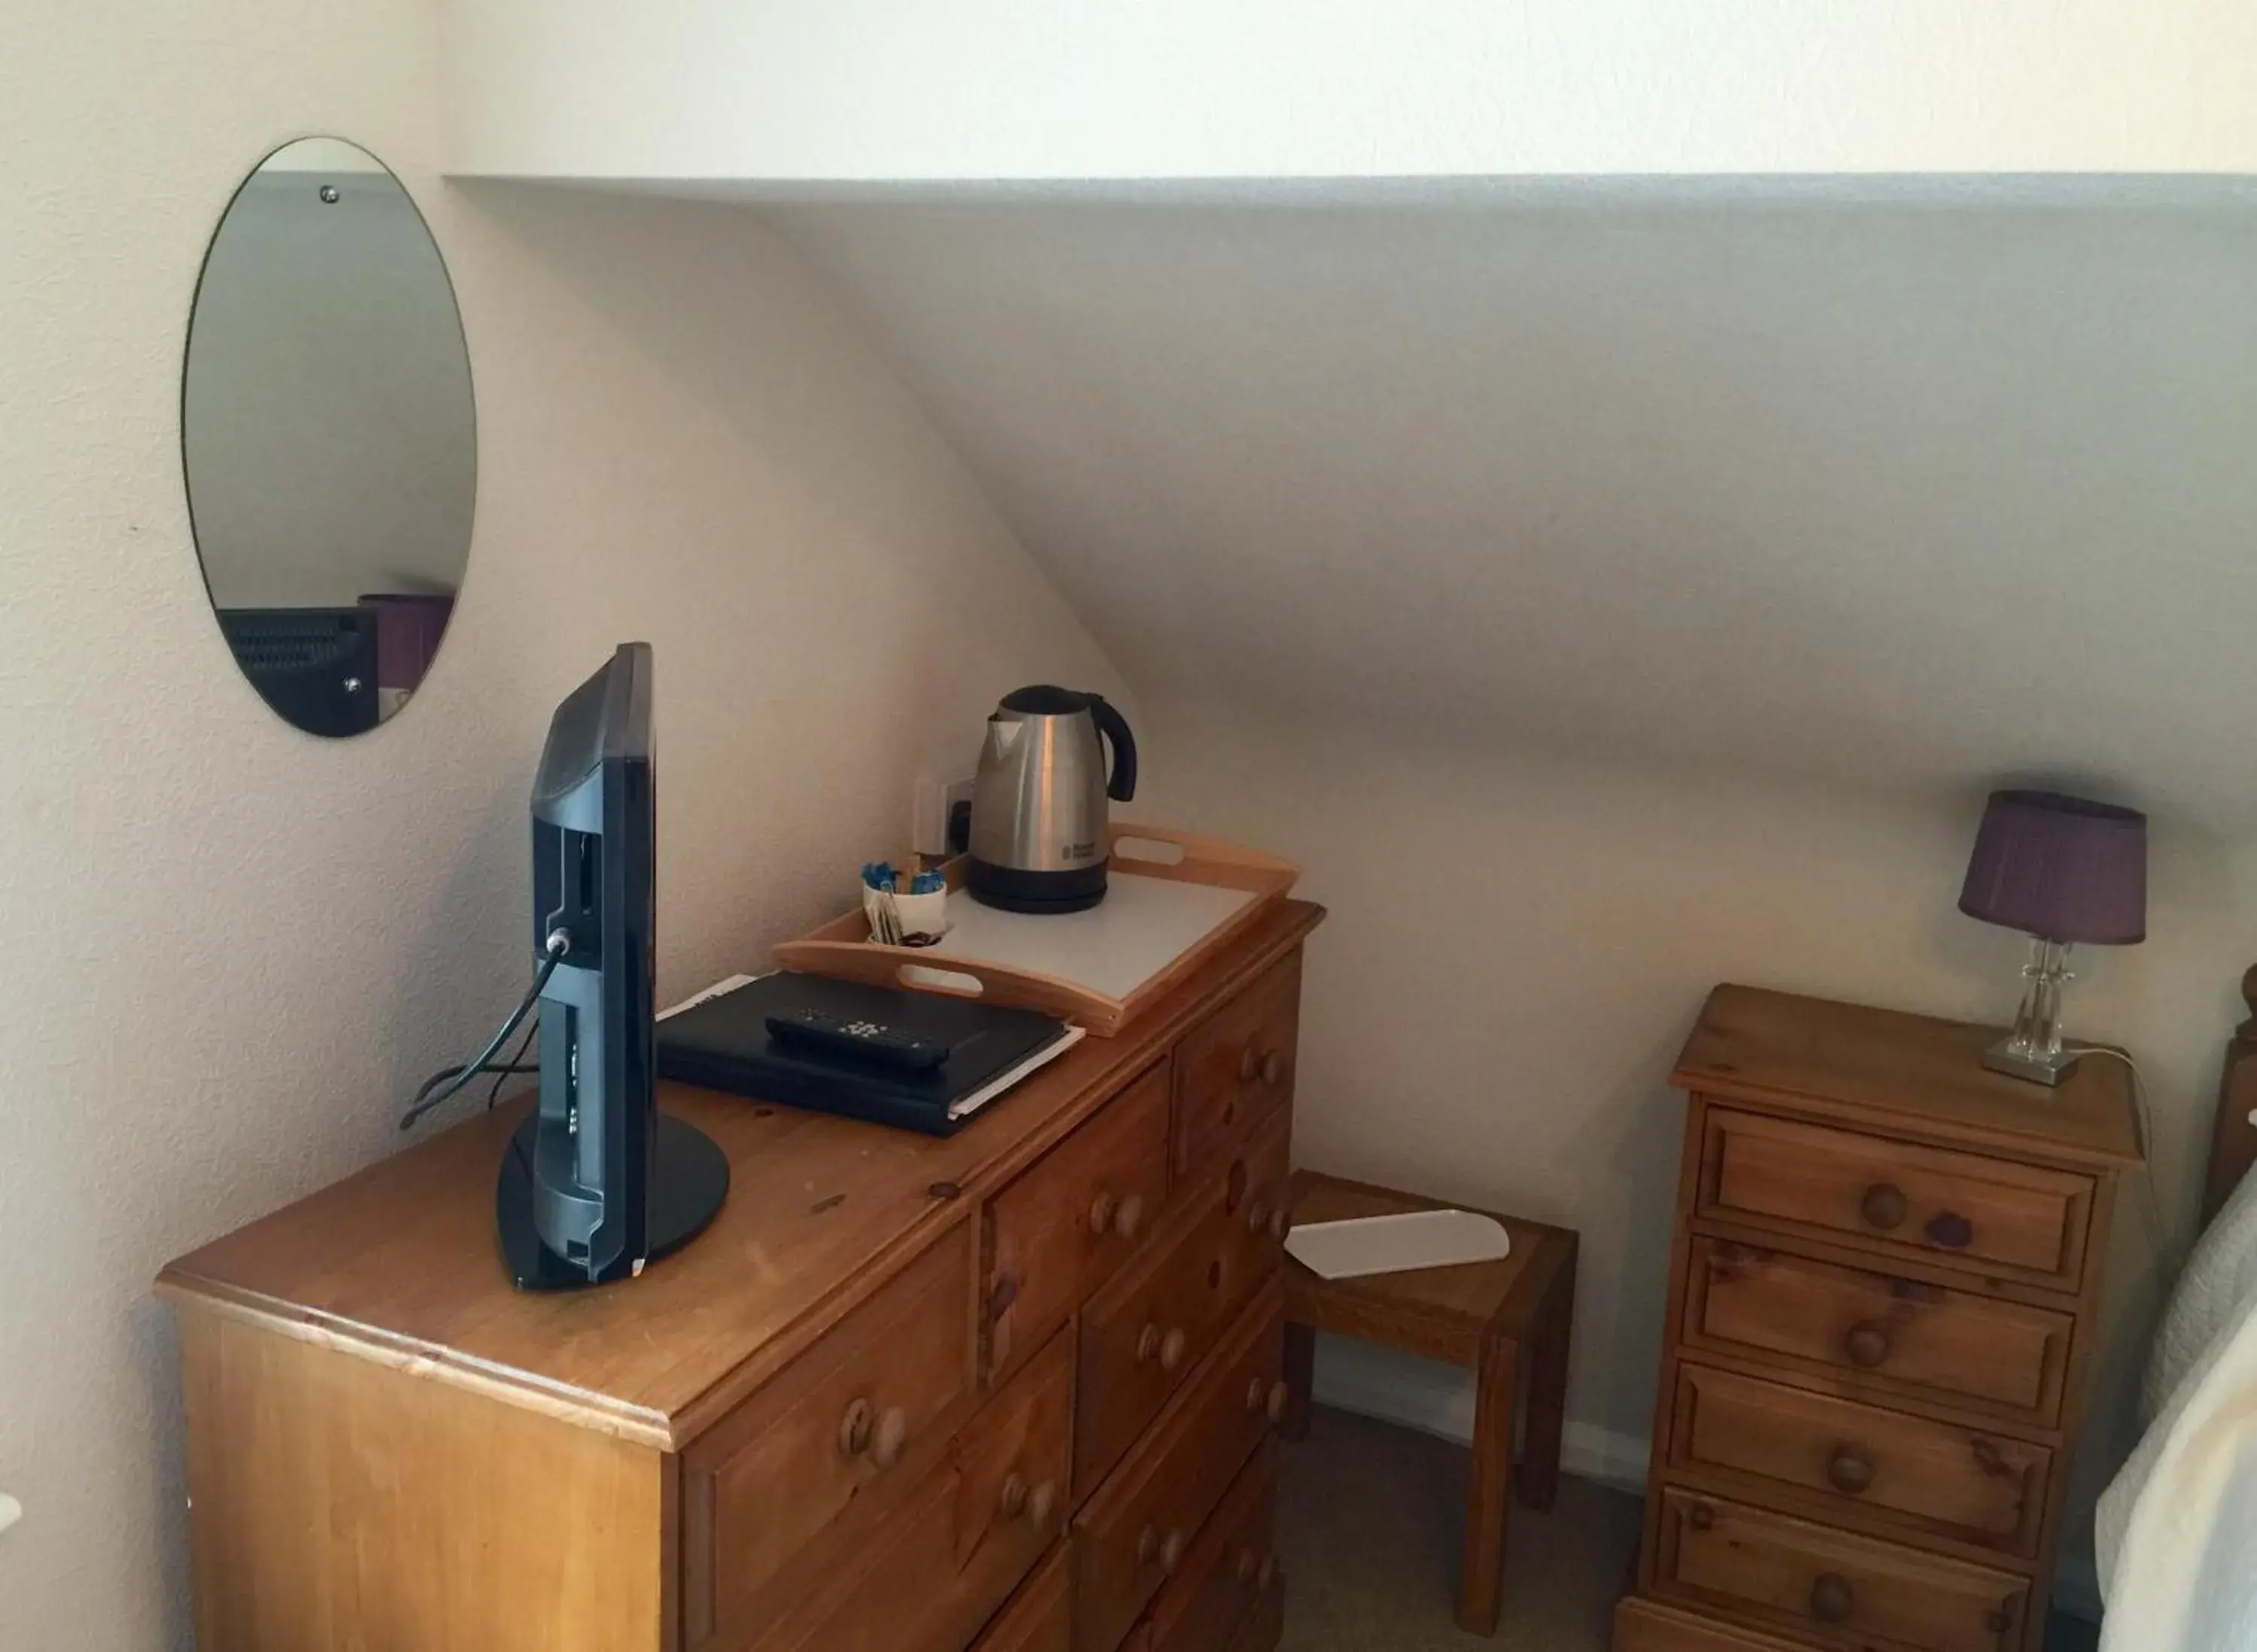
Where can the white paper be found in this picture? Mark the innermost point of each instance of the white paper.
(1397, 1244)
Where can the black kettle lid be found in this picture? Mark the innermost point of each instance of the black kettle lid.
(1043, 699)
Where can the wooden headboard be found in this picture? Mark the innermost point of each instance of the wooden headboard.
(2233, 1138)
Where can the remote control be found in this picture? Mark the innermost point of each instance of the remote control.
(864, 1040)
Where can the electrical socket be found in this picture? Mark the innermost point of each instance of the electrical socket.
(933, 801)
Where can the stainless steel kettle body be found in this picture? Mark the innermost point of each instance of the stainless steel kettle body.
(1038, 803)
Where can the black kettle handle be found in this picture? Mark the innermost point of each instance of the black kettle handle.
(1121, 788)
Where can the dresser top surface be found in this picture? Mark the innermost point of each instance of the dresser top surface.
(398, 1263)
(1884, 1069)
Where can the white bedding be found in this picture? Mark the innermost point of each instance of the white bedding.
(2177, 1527)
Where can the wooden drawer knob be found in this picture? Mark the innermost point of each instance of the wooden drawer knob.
(1273, 1069)
(1172, 1552)
(855, 1428)
(1123, 1217)
(892, 1436)
(1832, 1600)
(1949, 1230)
(1248, 1064)
(1281, 1224)
(1012, 1502)
(1171, 1349)
(1148, 1344)
(1867, 1345)
(1275, 1401)
(1699, 1517)
(1248, 1567)
(1166, 1346)
(1042, 1503)
(1257, 1217)
(1884, 1206)
(1849, 1470)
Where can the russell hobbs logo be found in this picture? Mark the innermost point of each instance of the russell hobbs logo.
(1081, 852)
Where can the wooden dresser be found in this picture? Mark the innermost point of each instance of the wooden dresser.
(1884, 1298)
(1014, 1390)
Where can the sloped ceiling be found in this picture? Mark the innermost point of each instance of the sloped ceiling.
(1912, 487)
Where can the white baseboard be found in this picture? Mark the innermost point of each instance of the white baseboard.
(1439, 1400)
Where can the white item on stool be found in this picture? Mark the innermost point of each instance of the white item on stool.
(1397, 1244)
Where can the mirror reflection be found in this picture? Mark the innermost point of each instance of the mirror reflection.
(329, 435)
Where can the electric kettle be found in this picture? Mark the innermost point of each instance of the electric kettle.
(1038, 799)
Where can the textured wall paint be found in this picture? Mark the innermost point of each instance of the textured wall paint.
(1519, 945)
(758, 90)
(232, 949)
(1901, 488)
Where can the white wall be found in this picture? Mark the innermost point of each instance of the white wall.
(231, 949)
(1905, 487)
(885, 90)
(1518, 946)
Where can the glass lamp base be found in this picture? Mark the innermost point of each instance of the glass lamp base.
(2035, 1063)
(2032, 1050)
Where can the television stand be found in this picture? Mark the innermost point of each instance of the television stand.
(687, 1186)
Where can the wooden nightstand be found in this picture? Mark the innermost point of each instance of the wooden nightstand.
(1884, 1298)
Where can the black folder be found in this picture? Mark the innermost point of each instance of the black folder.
(720, 1040)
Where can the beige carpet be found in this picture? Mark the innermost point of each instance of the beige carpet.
(1369, 1521)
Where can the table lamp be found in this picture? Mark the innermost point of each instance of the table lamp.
(2062, 870)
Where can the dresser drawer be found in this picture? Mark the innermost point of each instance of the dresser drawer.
(1146, 1332)
(1935, 1478)
(1235, 1068)
(1647, 1626)
(1136, 1532)
(1833, 1587)
(933, 1574)
(1071, 1218)
(1230, 1564)
(1895, 1335)
(860, 1416)
(1040, 1617)
(1960, 1209)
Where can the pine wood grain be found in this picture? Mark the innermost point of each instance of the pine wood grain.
(398, 1264)
(1863, 1465)
(1910, 1074)
(1040, 1617)
(1069, 1221)
(1133, 1534)
(1959, 1209)
(343, 1504)
(1836, 1588)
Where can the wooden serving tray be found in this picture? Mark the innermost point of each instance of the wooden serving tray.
(1172, 901)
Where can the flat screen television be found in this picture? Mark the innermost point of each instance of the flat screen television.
(597, 1182)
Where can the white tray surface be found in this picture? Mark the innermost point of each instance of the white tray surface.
(1141, 926)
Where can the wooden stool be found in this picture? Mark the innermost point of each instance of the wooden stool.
(1508, 1321)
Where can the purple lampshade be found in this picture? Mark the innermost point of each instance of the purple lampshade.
(2060, 868)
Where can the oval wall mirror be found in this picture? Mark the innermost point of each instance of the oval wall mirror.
(329, 435)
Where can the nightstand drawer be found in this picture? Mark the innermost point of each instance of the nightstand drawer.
(1070, 1220)
(1898, 1335)
(1929, 1477)
(1832, 1587)
(1960, 1209)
